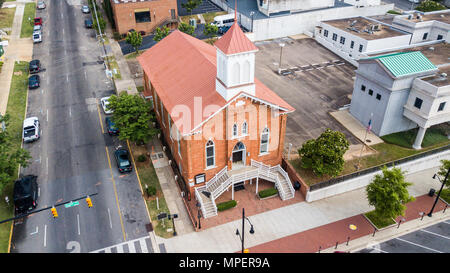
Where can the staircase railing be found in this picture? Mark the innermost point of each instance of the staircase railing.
(211, 183)
(200, 200)
(286, 176)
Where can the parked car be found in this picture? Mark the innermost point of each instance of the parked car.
(38, 21)
(25, 194)
(34, 82)
(85, 9)
(88, 23)
(37, 28)
(111, 126)
(41, 5)
(37, 37)
(104, 102)
(35, 66)
(30, 129)
(123, 160)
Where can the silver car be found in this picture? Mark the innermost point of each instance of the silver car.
(41, 5)
(85, 9)
(37, 37)
(37, 28)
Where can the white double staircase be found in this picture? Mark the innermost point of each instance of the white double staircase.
(207, 194)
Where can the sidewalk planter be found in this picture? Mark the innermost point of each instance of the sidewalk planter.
(267, 193)
(226, 205)
(377, 228)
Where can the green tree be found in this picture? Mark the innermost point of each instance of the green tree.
(325, 155)
(388, 193)
(132, 117)
(101, 23)
(429, 5)
(10, 157)
(160, 33)
(210, 30)
(443, 171)
(186, 28)
(191, 5)
(134, 39)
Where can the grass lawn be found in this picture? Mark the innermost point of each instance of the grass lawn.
(16, 110)
(386, 153)
(377, 221)
(393, 12)
(133, 55)
(433, 135)
(209, 17)
(7, 17)
(27, 25)
(148, 177)
(113, 65)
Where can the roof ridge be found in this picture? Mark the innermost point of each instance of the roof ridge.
(193, 42)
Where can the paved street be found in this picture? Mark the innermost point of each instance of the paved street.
(71, 158)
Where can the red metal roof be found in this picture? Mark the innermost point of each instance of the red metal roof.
(182, 69)
(235, 41)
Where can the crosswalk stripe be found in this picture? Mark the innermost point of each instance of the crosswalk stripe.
(120, 249)
(143, 246)
(131, 247)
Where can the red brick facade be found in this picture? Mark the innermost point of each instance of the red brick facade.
(160, 11)
(192, 156)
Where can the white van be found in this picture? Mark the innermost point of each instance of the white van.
(30, 129)
(224, 20)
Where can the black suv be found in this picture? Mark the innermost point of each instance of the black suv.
(34, 82)
(123, 160)
(25, 193)
(88, 23)
(35, 66)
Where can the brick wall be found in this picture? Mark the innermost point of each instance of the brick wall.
(304, 188)
(160, 10)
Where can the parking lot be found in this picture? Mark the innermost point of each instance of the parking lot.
(433, 239)
(314, 81)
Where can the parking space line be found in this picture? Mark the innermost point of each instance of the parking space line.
(374, 248)
(418, 245)
(100, 118)
(445, 237)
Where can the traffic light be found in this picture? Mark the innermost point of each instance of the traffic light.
(89, 201)
(54, 212)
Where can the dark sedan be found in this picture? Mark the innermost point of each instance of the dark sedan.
(34, 82)
(111, 126)
(88, 23)
(35, 66)
(123, 160)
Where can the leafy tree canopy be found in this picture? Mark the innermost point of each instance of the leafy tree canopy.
(186, 28)
(210, 30)
(388, 193)
(160, 33)
(443, 171)
(134, 39)
(429, 5)
(191, 5)
(325, 155)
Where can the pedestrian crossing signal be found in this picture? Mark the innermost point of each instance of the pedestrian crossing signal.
(89, 201)
(54, 212)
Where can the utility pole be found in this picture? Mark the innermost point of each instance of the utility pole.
(101, 35)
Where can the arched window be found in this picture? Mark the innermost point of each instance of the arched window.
(210, 154)
(235, 130)
(246, 72)
(236, 73)
(244, 128)
(264, 147)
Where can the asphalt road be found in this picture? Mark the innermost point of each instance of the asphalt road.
(74, 157)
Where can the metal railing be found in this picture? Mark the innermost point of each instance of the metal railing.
(200, 200)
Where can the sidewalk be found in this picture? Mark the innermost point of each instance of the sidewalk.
(274, 227)
(18, 49)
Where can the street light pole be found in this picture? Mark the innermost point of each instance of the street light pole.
(243, 232)
(251, 14)
(281, 53)
(100, 32)
(430, 214)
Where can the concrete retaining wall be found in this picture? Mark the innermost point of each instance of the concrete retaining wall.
(410, 167)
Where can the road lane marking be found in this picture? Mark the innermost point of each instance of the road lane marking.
(70, 112)
(46, 164)
(100, 119)
(110, 222)
(37, 230)
(47, 115)
(78, 220)
(85, 76)
(115, 193)
(418, 245)
(67, 78)
(45, 235)
(445, 237)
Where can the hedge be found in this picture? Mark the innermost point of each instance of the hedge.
(226, 205)
(267, 192)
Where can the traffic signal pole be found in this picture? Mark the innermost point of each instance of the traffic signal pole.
(48, 208)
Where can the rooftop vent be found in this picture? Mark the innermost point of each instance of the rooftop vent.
(353, 23)
(444, 75)
(410, 16)
(431, 48)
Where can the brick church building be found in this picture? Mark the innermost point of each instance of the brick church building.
(222, 125)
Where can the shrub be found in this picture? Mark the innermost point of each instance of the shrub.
(226, 205)
(151, 190)
(117, 36)
(267, 192)
(142, 158)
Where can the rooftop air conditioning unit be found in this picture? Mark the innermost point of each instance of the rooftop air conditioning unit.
(353, 23)
(410, 16)
(431, 48)
(444, 75)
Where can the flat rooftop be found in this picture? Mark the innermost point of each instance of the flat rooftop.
(359, 26)
(443, 17)
(438, 79)
(438, 53)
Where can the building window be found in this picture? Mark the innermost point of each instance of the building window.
(162, 113)
(156, 103)
(334, 36)
(360, 48)
(235, 130)
(370, 92)
(173, 14)
(425, 35)
(378, 96)
(363, 87)
(440, 37)
(441, 106)
(142, 16)
(342, 40)
(325, 33)
(352, 44)
(418, 103)
(244, 128)
(264, 141)
(210, 154)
